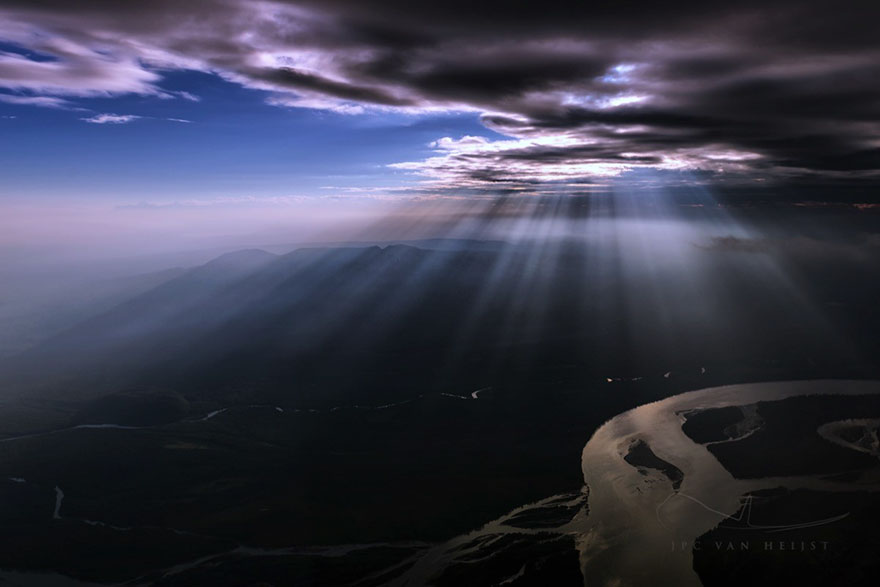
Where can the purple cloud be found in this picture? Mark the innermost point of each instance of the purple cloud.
(742, 92)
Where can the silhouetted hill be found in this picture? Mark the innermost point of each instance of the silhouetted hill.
(382, 323)
(353, 395)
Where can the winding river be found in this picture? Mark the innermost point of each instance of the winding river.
(635, 518)
(640, 527)
(642, 518)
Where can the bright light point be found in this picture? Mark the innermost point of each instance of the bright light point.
(731, 155)
(620, 73)
(623, 101)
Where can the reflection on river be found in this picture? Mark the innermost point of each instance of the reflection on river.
(653, 491)
(658, 479)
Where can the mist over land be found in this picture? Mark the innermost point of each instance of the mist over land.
(229, 409)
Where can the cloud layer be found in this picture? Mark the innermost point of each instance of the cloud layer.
(743, 93)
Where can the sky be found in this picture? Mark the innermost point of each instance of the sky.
(156, 119)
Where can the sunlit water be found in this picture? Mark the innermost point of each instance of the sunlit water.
(635, 518)
(638, 529)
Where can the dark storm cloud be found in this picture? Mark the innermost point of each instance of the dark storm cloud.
(299, 80)
(751, 91)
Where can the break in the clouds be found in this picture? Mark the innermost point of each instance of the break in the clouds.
(745, 92)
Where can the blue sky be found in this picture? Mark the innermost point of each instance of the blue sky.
(292, 96)
(234, 144)
(251, 106)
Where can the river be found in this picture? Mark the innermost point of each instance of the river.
(639, 529)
